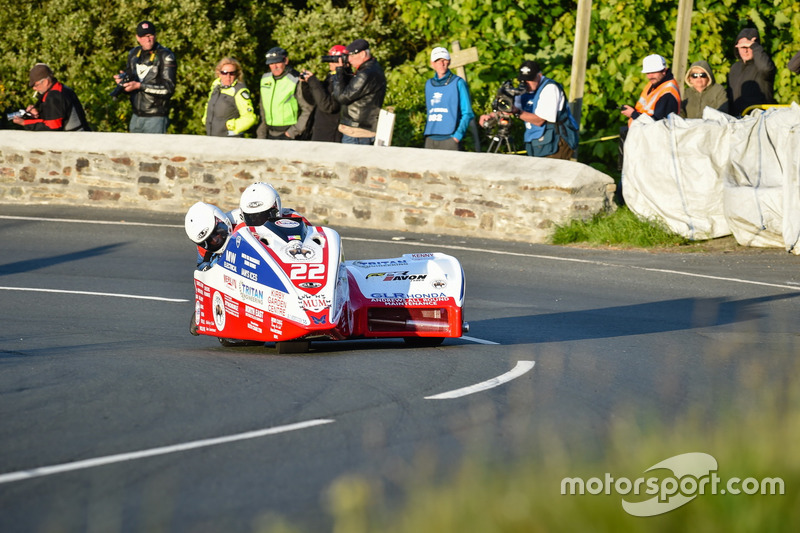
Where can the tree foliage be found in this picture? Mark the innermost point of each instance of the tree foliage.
(85, 41)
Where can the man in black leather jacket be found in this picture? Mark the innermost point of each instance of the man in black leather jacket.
(361, 96)
(151, 70)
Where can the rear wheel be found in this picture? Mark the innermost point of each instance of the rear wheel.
(423, 342)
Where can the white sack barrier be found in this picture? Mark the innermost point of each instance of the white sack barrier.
(710, 177)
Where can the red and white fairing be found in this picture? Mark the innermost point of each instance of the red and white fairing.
(287, 281)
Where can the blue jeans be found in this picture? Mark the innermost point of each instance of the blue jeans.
(346, 139)
(148, 124)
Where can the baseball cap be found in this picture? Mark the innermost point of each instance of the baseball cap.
(337, 50)
(276, 55)
(145, 27)
(528, 71)
(39, 71)
(653, 63)
(439, 53)
(359, 45)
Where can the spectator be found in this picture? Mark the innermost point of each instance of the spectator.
(285, 109)
(794, 63)
(751, 79)
(150, 73)
(660, 97)
(57, 107)
(702, 92)
(361, 96)
(229, 110)
(326, 108)
(449, 105)
(550, 129)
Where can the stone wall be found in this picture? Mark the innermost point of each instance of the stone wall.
(502, 196)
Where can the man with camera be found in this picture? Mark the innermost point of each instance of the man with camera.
(449, 105)
(550, 129)
(326, 109)
(149, 79)
(361, 96)
(57, 107)
(285, 109)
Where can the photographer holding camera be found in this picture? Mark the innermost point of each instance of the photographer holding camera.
(326, 109)
(550, 129)
(285, 109)
(149, 79)
(361, 95)
(57, 107)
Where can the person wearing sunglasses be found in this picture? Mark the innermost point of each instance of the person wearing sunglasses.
(751, 79)
(702, 91)
(286, 107)
(229, 111)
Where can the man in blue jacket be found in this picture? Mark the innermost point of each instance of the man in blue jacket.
(449, 105)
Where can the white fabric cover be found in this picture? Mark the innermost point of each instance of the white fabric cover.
(710, 177)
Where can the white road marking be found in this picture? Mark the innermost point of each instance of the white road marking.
(521, 368)
(93, 222)
(584, 261)
(479, 341)
(789, 285)
(111, 294)
(110, 459)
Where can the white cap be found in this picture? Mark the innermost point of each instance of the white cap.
(440, 53)
(653, 63)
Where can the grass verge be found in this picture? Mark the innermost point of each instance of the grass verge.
(620, 228)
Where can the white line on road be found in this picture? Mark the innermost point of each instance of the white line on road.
(462, 248)
(93, 222)
(115, 295)
(521, 368)
(584, 261)
(479, 341)
(110, 459)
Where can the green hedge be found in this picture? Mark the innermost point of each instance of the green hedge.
(86, 43)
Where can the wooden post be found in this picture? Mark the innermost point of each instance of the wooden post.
(683, 29)
(583, 23)
(457, 61)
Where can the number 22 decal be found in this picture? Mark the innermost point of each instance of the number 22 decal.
(306, 271)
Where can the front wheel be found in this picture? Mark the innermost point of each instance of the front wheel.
(423, 342)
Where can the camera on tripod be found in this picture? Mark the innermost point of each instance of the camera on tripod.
(120, 88)
(506, 94)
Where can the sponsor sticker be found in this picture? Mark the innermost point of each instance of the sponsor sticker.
(284, 223)
(218, 306)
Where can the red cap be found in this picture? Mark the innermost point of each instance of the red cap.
(337, 50)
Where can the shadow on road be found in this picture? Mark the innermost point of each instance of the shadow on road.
(639, 319)
(35, 264)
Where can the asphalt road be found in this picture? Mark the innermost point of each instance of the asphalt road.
(114, 418)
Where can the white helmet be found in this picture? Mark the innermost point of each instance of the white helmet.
(207, 226)
(260, 202)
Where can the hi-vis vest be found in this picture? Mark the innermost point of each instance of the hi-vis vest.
(278, 101)
(647, 102)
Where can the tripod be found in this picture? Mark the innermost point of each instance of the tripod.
(501, 137)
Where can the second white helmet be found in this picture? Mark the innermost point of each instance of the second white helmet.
(259, 203)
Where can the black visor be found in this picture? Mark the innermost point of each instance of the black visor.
(258, 219)
(216, 240)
